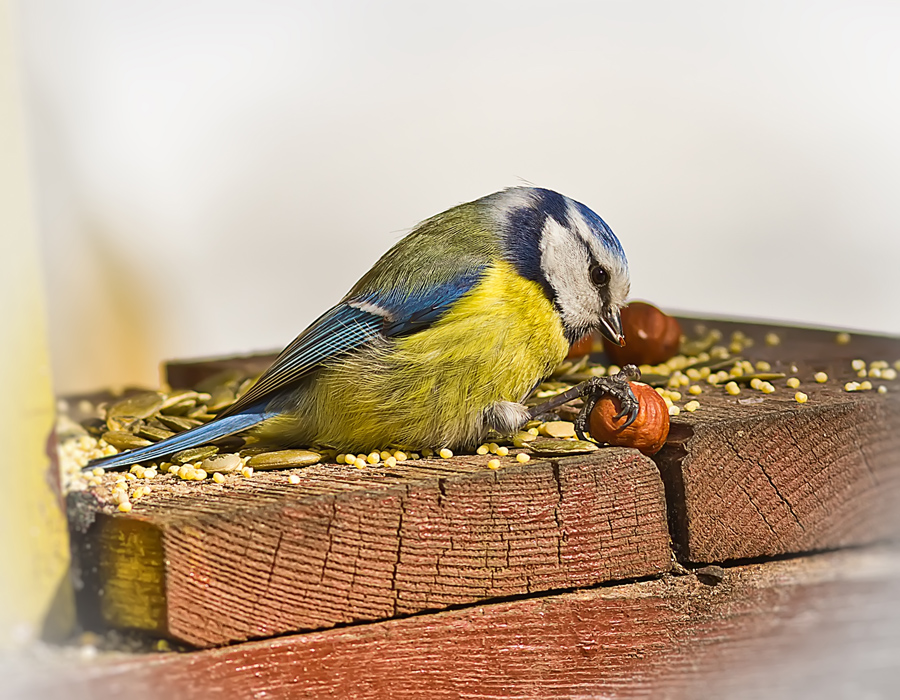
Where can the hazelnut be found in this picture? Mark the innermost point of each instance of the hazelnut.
(651, 336)
(650, 429)
(581, 347)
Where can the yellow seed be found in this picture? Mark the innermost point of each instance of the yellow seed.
(705, 372)
(668, 401)
(675, 395)
(200, 474)
(391, 461)
(748, 367)
(493, 464)
(219, 478)
(385, 454)
(763, 366)
(150, 473)
(174, 470)
(125, 507)
(341, 459)
(842, 338)
(98, 471)
(793, 382)
(874, 372)
(772, 339)
(247, 472)
(693, 374)
(889, 373)
(767, 388)
(134, 468)
(445, 453)
(878, 364)
(373, 458)
(865, 386)
(482, 450)
(294, 479)
(414, 455)
(851, 386)
(534, 431)
(882, 389)
(502, 451)
(360, 463)
(492, 447)
(800, 397)
(692, 406)
(695, 390)
(736, 371)
(522, 457)
(755, 383)
(674, 410)
(732, 388)
(858, 364)
(820, 377)
(400, 456)
(861, 373)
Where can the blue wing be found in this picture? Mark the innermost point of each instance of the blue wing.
(352, 323)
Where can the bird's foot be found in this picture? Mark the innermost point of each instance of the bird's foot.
(592, 390)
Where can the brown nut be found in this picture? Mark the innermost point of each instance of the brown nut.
(581, 347)
(651, 336)
(650, 429)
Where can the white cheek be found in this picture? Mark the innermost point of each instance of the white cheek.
(565, 263)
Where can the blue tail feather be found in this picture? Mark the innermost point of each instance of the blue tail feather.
(194, 437)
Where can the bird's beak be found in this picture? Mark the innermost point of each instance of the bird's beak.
(611, 326)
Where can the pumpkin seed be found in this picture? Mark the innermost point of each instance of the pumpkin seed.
(124, 440)
(178, 396)
(228, 377)
(194, 454)
(221, 397)
(284, 458)
(154, 434)
(178, 423)
(224, 463)
(558, 429)
(138, 406)
(550, 447)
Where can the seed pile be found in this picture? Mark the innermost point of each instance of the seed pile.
(709, 364)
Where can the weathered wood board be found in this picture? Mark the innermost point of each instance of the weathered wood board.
(794, 628)
(746, 476)
(211, 564)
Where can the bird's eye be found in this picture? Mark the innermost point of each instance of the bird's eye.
(599, 276)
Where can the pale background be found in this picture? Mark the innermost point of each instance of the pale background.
(213, 175)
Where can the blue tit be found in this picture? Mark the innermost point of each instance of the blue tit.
(443, 339)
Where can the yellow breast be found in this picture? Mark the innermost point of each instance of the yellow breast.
(430, 388)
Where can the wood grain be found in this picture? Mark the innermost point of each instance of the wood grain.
(795, 628)
(211, 564)
(746, 480)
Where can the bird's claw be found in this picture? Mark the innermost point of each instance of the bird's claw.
(615, 386)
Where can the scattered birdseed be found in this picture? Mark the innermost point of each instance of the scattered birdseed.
(882, 389)
(445, 453)
(373, 458)
(247, 472)
(482, 450)
(851, 386)
(842, 338)
(858, 364)
(862, 373)
(674, 410)
(763, 366)
(200, 474)
(493, 464)
(865, 386)
(501, 451)
(800, 397)
(889, 373)
(692, 406)
(756, 383)
(767, 388)
(400, 456)
(385, 454)
(793, 382)
(878, 364)
(391, 461)
(522, 457)
(695, 390)
(772, 339)
(732, 388)
(341, 459)
(875, 373)
(294, 479)
(219, 478)
(125, 507)
(820, 377)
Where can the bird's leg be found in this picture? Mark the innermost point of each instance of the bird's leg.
(591, 390)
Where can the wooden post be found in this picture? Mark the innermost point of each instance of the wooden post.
(33, 539)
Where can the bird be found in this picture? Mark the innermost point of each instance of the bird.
(444, 338)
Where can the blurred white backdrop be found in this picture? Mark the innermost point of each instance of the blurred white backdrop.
(213, 175)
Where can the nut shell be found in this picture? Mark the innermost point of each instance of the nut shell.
(651, 336)
(581, 347)
(650, 429)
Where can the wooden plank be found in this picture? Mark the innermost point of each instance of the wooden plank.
(211, 564)
(746, 480)
(794, 628)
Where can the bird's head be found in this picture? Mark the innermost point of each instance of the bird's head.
(571, 252)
